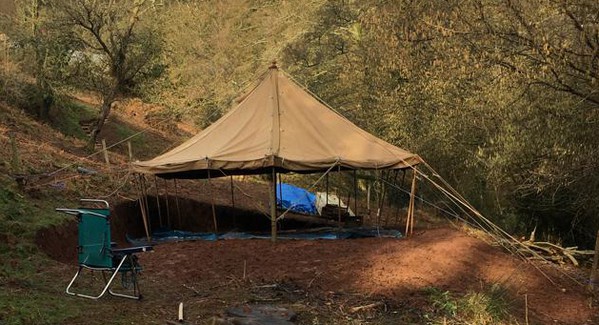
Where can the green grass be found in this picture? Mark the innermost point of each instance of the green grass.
(27, 292)
(123, 132)
(490, 305)
(66, 114)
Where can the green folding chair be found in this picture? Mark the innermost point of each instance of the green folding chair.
(96, 251)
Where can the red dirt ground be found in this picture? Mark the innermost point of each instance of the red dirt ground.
(397, 270)
(209, 276)
(321, 278)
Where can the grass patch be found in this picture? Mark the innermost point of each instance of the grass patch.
(489, 306)
(123, 132)
(66, 115)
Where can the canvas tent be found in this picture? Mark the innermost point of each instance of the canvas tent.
(277, 127)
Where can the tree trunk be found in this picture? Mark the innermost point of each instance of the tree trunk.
(106, 106)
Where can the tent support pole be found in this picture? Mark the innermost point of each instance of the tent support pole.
(158, 200)
(177, 202)
(326, 202)
(355, 194)
(339, 199)
(280, 177)
(212, 203)
(146, 204)
(233, 201)
(168, 210)
(410, 218)
(273, 204)
(144, 217)
(232, 192)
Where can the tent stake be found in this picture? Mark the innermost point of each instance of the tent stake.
(273, 205)
(212, 203)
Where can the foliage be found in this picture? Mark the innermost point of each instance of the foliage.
(496, 95)
(499, 96)
(491, 305)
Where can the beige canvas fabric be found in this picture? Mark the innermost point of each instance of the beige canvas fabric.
(278, 124)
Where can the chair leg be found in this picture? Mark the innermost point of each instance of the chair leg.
(136, 292)
(103, 291)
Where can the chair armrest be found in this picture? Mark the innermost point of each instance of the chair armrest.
(80, 211)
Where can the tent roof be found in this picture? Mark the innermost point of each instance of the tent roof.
(278, 124)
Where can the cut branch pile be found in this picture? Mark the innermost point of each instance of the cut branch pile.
(555, 253)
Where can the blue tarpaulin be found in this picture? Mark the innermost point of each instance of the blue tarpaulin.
(296, 199)
(165, 235)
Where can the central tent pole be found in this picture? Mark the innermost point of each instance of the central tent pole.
(273, 204)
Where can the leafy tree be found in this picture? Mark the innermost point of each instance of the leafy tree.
(114, 50)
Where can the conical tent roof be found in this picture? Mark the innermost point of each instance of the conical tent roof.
(278, 124)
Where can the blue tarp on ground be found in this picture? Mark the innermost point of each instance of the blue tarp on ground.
(296, 199)
(309, 234)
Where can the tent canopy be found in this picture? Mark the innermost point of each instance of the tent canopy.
(277, 125)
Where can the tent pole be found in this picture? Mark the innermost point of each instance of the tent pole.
(326, 202)
(355, 194)
(273, 204)
(410, 218)
(339, 199)
(232, 192)
(168, 210)
(145, 203)
(212, 203)
(233, 201)
(280, 180)
(141, 206)
(177, 202)
(158, 200)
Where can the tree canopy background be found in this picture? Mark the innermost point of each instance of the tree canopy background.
(502, 97)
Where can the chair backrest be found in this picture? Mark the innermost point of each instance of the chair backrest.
(94, 238)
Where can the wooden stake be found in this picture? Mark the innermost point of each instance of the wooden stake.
(273, 205)
(212, 203)
(180, 318)
(594, 275)
(526, 308)
(130, 151)
(105, 152)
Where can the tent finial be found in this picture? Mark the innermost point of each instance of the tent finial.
(273, 65)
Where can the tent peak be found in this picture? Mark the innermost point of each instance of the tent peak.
(273, 65)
